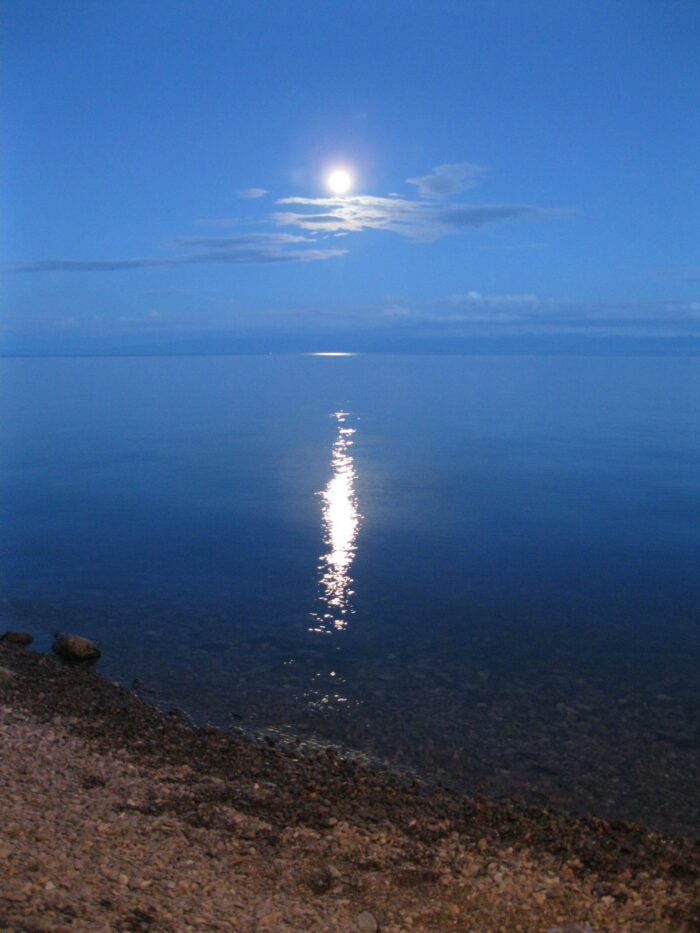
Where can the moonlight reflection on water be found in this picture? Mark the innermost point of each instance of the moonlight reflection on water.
(341, 521)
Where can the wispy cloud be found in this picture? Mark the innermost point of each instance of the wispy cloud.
(448, 179)
(252, 193)
(431, 214)
(240, 240)
(418, 219)
(223, 255)
(262, 248)
(217, 222)
(434, 213)
(476, 313)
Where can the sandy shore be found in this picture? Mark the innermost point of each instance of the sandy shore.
(115, 816)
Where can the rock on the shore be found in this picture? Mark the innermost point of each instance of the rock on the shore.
(75, 648)
(17, 638)
(366, 922)
(5, 676)
(572, 928)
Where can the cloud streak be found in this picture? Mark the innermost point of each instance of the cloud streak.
(252, 193)
(418, 219)
(264, 248)
(475, 313)
(448, 179)
(430, 215)
(241, 240)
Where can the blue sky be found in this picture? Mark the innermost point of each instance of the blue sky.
(522, 171)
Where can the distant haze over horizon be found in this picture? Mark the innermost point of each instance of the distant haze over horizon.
(525, 345)
(305, 176)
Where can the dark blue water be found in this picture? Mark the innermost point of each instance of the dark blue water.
(481, 568)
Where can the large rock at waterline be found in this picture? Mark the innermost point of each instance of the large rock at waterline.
(17, 638)
(75, 648)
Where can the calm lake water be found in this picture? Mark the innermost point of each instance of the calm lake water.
(481, 569)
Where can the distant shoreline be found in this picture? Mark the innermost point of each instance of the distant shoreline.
(321, 843)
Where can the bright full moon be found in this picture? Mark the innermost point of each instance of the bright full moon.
(339, 181)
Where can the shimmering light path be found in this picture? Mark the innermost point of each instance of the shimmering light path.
(341, 521)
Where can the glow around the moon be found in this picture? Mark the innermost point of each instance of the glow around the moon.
(339, 181)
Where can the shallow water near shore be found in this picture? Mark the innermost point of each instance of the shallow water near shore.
(482, 569)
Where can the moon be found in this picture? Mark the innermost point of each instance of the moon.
(339, 181)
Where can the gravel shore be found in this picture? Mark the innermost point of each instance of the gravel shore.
(115, 816)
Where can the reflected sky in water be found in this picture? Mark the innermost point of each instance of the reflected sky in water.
(341, 520)
(527, 589)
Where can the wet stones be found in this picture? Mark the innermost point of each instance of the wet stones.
(17, 638)
(75, 648)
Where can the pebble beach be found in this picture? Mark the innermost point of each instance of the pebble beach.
(117, 816)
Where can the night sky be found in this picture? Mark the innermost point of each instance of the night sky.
(519, 175)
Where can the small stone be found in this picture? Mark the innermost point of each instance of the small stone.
(366, 922)
(17, 638)
(5, 675)
(75, 648)
(571, 928)
(4, 853)
(123, 880)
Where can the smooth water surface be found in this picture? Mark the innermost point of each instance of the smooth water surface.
(483, 569)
